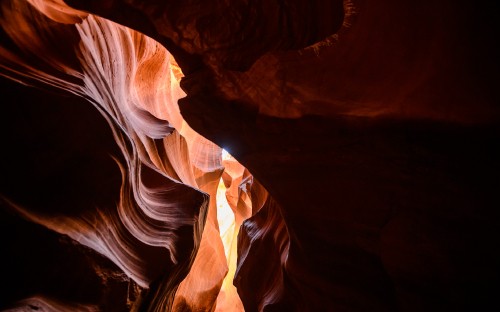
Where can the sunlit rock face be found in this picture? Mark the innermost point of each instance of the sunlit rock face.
(364, 170)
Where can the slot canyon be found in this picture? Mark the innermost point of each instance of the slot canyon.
(249, 155)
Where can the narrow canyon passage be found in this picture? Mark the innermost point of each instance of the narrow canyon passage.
(249, 155)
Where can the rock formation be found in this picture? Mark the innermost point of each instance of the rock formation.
(364, 138)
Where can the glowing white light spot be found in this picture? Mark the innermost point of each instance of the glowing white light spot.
(226, 155)
(225, 217)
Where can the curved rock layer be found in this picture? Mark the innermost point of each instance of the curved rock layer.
(371, 126)
(162, 225)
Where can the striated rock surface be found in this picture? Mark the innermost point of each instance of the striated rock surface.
(372, 128)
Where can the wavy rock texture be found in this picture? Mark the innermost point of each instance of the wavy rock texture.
(154, 229)
(371, 127)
